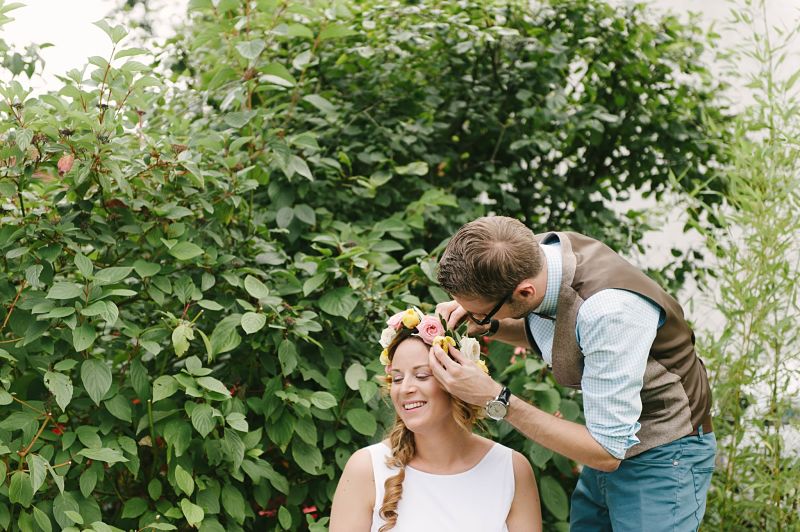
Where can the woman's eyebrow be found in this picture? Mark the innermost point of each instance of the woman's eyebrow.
(426, 366)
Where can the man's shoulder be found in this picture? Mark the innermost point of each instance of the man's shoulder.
(615, 303)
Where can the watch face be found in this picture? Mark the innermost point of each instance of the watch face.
(496, 410)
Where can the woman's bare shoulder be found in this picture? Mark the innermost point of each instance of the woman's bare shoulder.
(522, 466)
(359, 464)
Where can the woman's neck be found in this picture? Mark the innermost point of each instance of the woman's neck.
(445, 448)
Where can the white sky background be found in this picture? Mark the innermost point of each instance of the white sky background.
(67, 24)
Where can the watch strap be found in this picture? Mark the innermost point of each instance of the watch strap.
(504, 396)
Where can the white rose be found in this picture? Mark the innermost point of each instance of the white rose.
(470, 348)
(387, 335)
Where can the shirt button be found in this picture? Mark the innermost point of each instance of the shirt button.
(674, 462)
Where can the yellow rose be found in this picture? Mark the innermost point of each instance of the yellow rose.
(385, 357)
(443, 342)
(483, 366)
(410, 318)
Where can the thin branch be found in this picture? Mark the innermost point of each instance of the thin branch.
(13, 303)
(20, 401)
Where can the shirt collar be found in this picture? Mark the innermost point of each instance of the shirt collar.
(552, 254)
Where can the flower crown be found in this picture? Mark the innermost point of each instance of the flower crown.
(433, 331)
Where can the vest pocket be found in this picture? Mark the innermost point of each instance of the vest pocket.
(653, 407)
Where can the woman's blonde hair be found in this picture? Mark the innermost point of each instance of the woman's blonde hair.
(403, 447)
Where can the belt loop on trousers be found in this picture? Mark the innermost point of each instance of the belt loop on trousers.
(705, 427)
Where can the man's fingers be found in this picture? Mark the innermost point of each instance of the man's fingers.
(456, 354)
(442, 359)
(456, 317)
(444, 309)
(473, 329)
(452, 312)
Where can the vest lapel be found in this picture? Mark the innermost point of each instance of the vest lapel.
(567, 356)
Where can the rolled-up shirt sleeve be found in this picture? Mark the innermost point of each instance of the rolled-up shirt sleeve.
(615, 330)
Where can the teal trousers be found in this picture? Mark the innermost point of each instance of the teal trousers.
(662, 489)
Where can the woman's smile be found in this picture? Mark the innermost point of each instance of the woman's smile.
(413, 405)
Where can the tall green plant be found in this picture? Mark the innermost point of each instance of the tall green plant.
(755, 358)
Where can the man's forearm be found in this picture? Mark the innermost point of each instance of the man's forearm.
(512, 331)
(564, 437)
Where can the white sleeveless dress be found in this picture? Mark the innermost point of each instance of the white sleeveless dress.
(477, 500)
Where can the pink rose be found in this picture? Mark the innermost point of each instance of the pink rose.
(395, 321)
(429, 328)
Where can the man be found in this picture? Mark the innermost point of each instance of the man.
(606, 328)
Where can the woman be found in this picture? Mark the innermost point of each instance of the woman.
(432, 473)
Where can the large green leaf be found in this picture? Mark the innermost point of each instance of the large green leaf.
(83, 337)
(112, 275)
(255, 287)
(42, 519)
(88, 481)
(418, 168)
(20, 490)
(185, 250)
(203, 419)
(96, 378)
(339, 302)
(362, 421)
(307, 456)
(104, 454)
(184, 480)
(193, 513)
(251, 49)
(554, 497)
(37, 467)
(65, 291)
(214, 385)
(120, 407)
(182, 334)
(323, 400)
(355, 375)
(134, 507)
(287, 355)
(233, 502)
(253, 322)
(59, 385)
(163, 387)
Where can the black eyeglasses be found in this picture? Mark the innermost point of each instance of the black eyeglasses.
(488, 318)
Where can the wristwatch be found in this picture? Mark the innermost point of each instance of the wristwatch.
(498, 408)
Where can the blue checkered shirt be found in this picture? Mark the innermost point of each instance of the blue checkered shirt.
(615, 330)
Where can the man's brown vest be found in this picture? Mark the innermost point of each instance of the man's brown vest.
(676, 398)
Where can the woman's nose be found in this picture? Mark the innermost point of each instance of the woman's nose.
(408, 386)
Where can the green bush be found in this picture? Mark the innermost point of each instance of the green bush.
(198, 253)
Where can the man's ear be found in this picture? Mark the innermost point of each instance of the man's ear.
(526, 289)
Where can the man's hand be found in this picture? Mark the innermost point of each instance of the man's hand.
(454, 314)
(462, 377)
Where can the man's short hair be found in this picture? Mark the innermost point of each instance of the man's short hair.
(488, 257)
